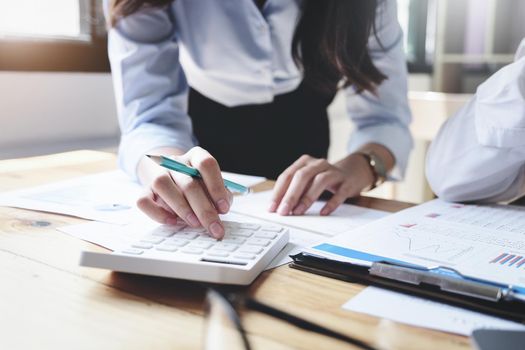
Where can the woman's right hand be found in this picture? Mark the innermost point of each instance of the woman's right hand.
(172, 196)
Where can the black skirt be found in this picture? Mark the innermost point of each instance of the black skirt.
(262, 139)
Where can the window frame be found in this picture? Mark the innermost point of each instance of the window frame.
(61, 54)
(417, 60)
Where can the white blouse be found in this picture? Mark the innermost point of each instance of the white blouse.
(235, 53)
(479, 154)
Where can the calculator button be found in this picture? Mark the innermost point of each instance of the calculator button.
(234, 240)
(244, 256)
(220, 253)
(251, 250)
(202, 245)
(187, 235)
(249, 226)
(142, 245)
(167, 248)
(195, 230)
(259, 241)
(176, 242)
(162, 233)
(242, 233)
(231, 224)
(225, 246)
(189, 250)
(206, 238)
(272, 228)
(154, 240)
(133, 251)
(268, 235)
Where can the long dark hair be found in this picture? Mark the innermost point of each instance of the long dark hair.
(329, 44)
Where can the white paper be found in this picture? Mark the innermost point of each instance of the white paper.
(108, 197)
(110, 236)
(345, 218)
(483, 242)
(245, 180)
(424, 313)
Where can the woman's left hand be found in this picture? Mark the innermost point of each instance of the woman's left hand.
(301, 184)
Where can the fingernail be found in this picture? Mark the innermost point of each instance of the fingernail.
(216, 229)
(193, 220)
(223, 206)
(284, 209)
(273, 207)
(325, 211)
(300, 209)
(171, 221)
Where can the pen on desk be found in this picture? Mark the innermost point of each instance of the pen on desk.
(185, 169)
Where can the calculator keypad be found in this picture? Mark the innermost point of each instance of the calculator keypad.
(242, 243)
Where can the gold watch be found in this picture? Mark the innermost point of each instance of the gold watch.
(377, 165)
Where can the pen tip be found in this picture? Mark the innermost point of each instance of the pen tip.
(148, 155)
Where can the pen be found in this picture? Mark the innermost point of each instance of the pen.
(184, 169)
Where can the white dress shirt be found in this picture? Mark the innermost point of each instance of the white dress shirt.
(234, 53)
(479, 154)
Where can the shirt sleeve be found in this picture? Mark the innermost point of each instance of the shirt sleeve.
(151, 90)
(384, 117)
(479, 153)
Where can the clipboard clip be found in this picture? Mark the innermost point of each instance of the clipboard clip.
(445, 283)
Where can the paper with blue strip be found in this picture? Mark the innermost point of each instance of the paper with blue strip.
(482, 243)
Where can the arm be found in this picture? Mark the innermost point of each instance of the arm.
(150, 89)
(152, 92)
(381, 127)
(383, 119)
(479, 154)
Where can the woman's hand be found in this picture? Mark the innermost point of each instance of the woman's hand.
(299, 186)
(172, 196)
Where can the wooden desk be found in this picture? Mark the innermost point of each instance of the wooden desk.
(48, 302)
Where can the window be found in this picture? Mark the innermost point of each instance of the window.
(52, 35)
(417, 19)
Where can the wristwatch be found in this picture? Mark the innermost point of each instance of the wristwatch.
(377, 165)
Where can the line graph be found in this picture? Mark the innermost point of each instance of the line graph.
(430, 246)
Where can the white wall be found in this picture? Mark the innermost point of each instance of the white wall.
(51, 112)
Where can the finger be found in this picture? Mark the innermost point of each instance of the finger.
(155, 211)
(300, 182)
(212, 178)
(283, 181)
(345, 191)
(199, 201)
(320, 183)
(168, 191)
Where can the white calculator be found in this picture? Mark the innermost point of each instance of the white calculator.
(192, 254)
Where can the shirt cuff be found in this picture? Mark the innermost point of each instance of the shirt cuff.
(135, 144)
(395, 138)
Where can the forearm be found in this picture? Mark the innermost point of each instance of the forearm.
(356, 163)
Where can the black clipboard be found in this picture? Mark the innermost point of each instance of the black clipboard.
(512, 310)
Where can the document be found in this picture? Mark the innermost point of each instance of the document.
(486, 243)
(342, 220)
(424, 313)
(245, 180)
(107, 197)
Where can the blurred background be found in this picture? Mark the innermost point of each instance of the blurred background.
(56, 93)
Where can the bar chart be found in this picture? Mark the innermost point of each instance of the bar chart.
(509, 260)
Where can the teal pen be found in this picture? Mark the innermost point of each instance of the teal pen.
(184, 169)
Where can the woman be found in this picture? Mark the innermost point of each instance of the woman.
(249, 81)
(479, 154)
